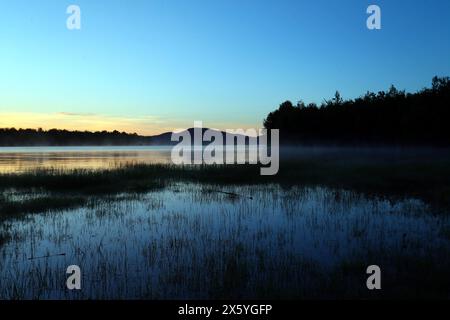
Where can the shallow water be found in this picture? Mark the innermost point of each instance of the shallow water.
(19, 159)
(189, 241)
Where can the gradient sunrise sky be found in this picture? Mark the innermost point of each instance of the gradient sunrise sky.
(156, 65)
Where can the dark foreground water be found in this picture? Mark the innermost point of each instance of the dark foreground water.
(189, 241)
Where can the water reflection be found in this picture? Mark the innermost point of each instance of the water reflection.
(188, 241)
(22, 159)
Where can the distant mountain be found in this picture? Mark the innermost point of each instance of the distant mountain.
(11, 137)
(165, 138)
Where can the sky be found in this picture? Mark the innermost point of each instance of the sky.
(156, 65)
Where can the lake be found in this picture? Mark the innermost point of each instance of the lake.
(20, 159)
(209, 240)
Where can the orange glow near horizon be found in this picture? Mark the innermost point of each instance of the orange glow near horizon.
(145, 125)
(82, 122)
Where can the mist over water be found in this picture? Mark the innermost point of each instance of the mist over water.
(20, 159)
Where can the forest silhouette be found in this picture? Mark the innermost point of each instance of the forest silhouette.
(55, 137)
(390, 117)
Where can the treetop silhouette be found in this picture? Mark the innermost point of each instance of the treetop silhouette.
(386, 117)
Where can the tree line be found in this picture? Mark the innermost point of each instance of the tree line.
(391, 117)
(387, 117)
(55, 137)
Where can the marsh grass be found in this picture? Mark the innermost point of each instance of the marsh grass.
(163, 231)
(122, 179)
(426, 180)
(41, 204)
(4, 237)
(182, 242)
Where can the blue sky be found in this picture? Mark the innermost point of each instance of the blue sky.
(155, 65)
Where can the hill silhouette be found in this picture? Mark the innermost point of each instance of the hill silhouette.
(390, 117)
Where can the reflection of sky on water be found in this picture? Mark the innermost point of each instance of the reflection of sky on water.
(20, 159)
(28, 158)
(183, 241)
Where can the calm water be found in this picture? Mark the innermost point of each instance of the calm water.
(19, 159)
(188, 241)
